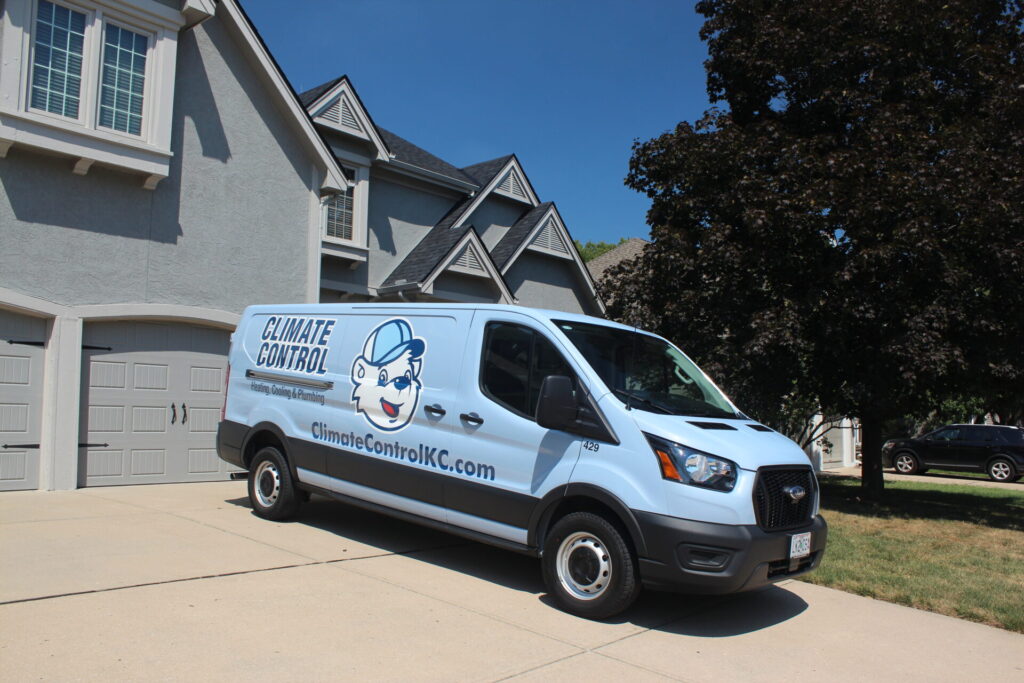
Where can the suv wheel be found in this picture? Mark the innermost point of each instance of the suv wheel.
(906, 463)
(1002, 469)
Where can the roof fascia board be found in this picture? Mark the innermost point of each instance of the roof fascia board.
(574, 255)
(334, 178)
(486, 191)
(485, 260)
(345, 88)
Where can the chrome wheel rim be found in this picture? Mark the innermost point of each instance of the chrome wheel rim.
(266, 484)
(904, 464)
(584, 566)
(1000, 471)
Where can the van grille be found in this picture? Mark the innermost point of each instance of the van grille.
(774, 508)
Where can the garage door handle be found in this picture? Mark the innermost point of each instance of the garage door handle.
(472, 418)
(174, 413)
(184, 413)
(435, 410)
(93, 445)
(21, 445)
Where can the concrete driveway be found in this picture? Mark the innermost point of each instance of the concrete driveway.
(183, 582)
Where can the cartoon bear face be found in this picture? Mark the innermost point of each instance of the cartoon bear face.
(386, 377)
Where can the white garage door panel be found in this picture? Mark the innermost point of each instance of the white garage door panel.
(21, 400)
(153, 403)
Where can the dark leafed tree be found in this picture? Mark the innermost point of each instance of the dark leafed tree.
(845, 229)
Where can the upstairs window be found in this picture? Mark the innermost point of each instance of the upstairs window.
(91, 79)
(57, 62)
(61, 62)
(124, 80)
(339, 220)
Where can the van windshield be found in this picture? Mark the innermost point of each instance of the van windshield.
(645, 372)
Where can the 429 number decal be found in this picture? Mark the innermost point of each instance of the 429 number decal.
(592, 446)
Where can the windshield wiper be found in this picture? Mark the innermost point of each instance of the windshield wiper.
(644, 401)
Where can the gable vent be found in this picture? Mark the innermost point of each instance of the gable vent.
(550, 239)
(468, 259)
(340, 112)
(512, 185)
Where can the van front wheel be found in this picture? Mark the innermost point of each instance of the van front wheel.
(588, 567)
(271, 491)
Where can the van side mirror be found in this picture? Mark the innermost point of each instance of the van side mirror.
(557, 407)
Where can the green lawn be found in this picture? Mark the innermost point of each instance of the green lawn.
(952, 549)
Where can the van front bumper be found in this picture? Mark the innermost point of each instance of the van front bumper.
(701, 557)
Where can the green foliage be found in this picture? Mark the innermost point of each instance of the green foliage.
(591, 250)
(848, 234)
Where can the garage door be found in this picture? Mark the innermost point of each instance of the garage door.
(21, 399)
(152, 395)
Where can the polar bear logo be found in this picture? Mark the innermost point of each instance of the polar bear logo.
(386, 376)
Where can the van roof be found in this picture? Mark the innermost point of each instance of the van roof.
(409, 308)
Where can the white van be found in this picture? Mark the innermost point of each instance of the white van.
(597, 447)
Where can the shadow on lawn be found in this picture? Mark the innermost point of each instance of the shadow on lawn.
(986, 507)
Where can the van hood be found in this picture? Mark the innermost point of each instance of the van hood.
(735, 439)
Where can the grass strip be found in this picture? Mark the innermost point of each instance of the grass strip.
(953, 549)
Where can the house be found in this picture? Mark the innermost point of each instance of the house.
(416, 228)
(157, 175)
(626, 251)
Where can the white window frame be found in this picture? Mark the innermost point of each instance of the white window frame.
(82, 137)
(359, 177)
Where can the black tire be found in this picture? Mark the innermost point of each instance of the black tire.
(272, 493)
(589, 567)
(906, 463)
(1002, 470)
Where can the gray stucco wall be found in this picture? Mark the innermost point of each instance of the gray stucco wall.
(227, 228)
(398, 218)
(548, 282)
(494, 217)
(465, 288)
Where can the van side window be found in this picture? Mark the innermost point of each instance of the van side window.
(515, 362)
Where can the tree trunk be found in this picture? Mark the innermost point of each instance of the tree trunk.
(871, 481)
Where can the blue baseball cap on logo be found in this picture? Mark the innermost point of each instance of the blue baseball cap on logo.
(390, 340)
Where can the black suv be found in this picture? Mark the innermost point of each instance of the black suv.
(995, 449)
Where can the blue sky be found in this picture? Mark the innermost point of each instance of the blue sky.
(566, 85)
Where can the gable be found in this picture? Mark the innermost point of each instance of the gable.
(336, 106)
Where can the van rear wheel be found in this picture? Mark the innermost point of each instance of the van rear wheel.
(589, 567)
(271, 490)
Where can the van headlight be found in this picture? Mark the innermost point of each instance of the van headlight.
(690, 466)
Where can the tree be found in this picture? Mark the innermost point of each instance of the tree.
(845, 230)
(591, 250)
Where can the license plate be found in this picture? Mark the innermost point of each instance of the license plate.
(800, 545)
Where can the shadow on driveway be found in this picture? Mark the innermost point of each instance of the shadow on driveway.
(694, 615)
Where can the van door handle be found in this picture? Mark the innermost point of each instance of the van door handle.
(472, 418)
(435, 410)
